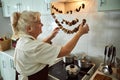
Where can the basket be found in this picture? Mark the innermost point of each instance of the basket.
(5, 45)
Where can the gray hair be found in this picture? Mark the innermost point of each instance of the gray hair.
(21, 20)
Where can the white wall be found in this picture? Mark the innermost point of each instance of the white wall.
(5, 28)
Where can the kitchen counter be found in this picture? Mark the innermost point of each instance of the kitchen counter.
(98, 71)
(9, 52)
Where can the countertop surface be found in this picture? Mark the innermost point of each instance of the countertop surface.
(9, 52)
(98, 71)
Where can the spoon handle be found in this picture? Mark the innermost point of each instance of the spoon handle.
(105, 52)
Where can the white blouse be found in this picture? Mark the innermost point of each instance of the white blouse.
(32, 55)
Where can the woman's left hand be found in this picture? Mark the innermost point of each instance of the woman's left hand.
(55, 31)
(51, 36)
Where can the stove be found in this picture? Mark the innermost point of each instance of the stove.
(58, 72)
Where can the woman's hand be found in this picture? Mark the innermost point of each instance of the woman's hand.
(83, 29)
(51, 36)
(54, 32)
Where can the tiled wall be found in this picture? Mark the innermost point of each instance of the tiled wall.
(104, 30)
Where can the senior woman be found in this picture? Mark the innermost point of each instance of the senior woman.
(32, 56)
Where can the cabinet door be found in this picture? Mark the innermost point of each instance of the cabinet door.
(41, 6)
(26, 5)
(7, 67)
(5, 9)
(10, 6)
(0, 64)
(11, 69)
(4, 69)
(108, 5)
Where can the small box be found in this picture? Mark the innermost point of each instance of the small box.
(5, 45)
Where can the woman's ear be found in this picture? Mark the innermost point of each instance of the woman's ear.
(28, 29)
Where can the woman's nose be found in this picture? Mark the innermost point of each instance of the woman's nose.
(41, 24)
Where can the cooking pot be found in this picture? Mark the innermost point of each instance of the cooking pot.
(72, 71)
(68, 60)
(85, 63)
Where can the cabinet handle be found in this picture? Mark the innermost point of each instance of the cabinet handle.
(48, 6)
(8, 9)
(19, 7)
(101, 2)
(3, 64)
(12, 64)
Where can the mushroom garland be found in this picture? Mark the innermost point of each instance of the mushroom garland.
(73, 22)
(59, 11)
(64, 29)
(70, 23)
(70, 11)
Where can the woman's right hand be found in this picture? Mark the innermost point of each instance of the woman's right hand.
(83, 29)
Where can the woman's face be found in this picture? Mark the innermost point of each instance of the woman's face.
(36, 29)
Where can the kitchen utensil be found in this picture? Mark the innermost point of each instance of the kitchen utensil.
(109, 58)
(112, 55)
(107, 69)
(109, 54)
(112, 62)
(105, 52)
(114, 49)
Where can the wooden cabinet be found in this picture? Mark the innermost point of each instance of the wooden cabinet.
(105, 5)
(7, 68)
